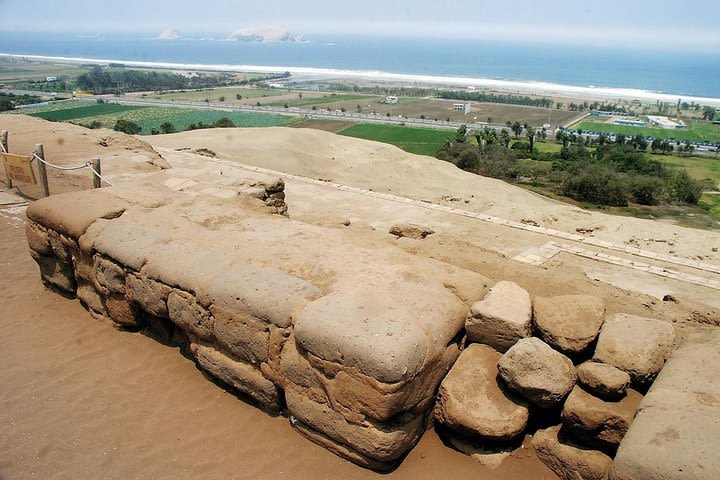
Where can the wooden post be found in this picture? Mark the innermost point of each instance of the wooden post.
(4, 142)
(96, 167)
(42, 170)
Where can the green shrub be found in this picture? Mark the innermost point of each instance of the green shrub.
(596, 185)
(127, 126)
(223, 122)
(685, 189)
(167, 127)
(646, 190)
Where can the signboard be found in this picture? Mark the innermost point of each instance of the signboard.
(19, 168)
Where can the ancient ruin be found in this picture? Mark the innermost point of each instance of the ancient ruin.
(364, 346)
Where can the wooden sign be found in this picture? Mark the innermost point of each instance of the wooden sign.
(18, 167)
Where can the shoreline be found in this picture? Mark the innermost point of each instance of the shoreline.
(527, 87)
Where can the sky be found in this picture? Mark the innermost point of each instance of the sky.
(661, 23)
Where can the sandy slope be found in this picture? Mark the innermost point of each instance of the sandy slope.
(66, 144)
(385, 168)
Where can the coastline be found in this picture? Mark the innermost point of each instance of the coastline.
(537, 88)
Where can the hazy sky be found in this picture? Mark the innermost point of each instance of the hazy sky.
(680, 23)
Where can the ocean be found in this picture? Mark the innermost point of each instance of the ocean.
(497, 63)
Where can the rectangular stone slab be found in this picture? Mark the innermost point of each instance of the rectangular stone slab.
(676, 434)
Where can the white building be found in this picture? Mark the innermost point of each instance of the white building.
(391, 99)
(51, 79)
(664, 122)
(462, 107)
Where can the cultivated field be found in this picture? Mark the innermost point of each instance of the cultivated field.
(421, 141)
(148, 118)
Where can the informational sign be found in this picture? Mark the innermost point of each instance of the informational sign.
(19, 168)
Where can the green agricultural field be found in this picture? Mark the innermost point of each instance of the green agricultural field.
(53, 107)
(84, 112)
(422, 141)
(150, 118)
(696, 131)
(325, 99)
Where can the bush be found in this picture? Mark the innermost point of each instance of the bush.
(685, 189)
(520, 146)
(498, 162)
(469, 160)
(646, 190)
(94, 125)
(596, 185)
(223, 122)
(127, 126)
(167, 127)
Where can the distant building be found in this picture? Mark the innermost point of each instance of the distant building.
(51, 79)
(664, 122)
(632, 123)
(391, 99)
(462, 107)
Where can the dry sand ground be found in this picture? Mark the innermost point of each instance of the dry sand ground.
(79, 399)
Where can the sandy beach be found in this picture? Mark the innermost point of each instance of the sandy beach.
(535, 88)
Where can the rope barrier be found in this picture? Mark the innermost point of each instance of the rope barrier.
(76, 167)
(98, 175)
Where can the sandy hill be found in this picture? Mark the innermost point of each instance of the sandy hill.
(388, 169)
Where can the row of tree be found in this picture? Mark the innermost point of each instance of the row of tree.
(119, 80)
(495, 98)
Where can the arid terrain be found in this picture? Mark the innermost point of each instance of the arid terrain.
(80, 399)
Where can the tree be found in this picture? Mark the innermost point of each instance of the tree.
(530, 134)
(505, 138)
(564, 138)
(238, 96)
(708, 113)
(489, 135)
(167, 127)
(461, 134)
(516, 128)
(222, 99)
(127, 126)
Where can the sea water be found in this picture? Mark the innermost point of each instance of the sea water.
(684, 74)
